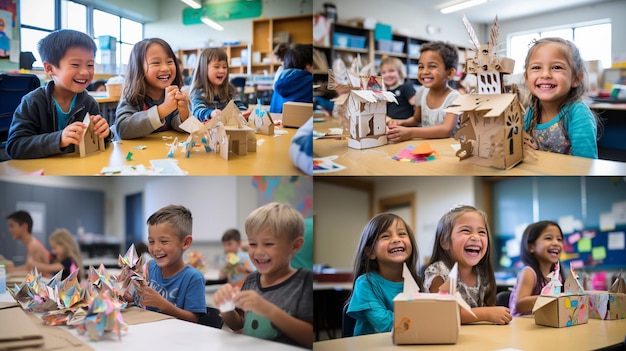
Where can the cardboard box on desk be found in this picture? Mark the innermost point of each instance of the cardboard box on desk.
(295, 114)
(556, 309)
(425, 318)
(609, 304)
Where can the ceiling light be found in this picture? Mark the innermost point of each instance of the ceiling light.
(211, 23)
(193, 3)
(462, 5)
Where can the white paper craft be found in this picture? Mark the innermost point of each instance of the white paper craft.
(365, 106)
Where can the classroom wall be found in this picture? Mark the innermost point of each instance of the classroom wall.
(410, 20)
(613, 10)
(341, 213)
(170, 24)
(413, 19)
(117, 188)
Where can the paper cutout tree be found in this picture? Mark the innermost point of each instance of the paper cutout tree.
(261, 121)
(491, 132)
(553, 288)
(365, 106)
(90, 143)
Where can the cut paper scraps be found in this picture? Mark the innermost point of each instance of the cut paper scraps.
(422, 153)
(326, 165)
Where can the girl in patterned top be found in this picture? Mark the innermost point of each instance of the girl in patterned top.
(557, 118)
(541, 247)
(462, 236)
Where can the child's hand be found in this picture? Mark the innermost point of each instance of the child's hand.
(170, 103)
(499, 315)
(72, 134)
(181, 100)
(224, 294)
(250, 300)
(246, 114)
(100, 126)
(149, 297)
(216, 113)
(396, 133)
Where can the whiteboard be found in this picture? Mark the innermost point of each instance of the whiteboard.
(211, 200)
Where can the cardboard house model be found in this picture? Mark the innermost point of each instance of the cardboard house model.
(609, 304)
(226, 133)
(428, 318)
(554, 308)
(90, 143)
(491, 132)
(365, 106)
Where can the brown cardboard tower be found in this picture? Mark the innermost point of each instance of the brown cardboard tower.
(491, 132)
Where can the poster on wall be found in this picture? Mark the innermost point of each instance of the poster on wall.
(296, 191)
(8, 20)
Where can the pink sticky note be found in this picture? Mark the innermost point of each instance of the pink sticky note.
(576, 264)
(573, 239)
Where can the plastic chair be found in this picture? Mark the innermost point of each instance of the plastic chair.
(212, 318)
(502, 298)
(347, 323)
(240, 84)
(12, 88)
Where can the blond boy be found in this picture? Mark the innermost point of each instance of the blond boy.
(173, 287)
(276, 301)
(21, 228)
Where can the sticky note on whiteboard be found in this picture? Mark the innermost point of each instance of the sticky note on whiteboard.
(598, 253)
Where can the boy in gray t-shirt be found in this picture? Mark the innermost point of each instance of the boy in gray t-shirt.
(276, 301)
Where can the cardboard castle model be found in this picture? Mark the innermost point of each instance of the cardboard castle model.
(491, 132)
(90, 143)
(365, 106)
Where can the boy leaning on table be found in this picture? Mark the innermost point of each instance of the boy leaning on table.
(49, 120)
(173, 287)
(276, 301)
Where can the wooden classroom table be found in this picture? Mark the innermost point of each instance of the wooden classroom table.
(271, 158)
(378, 160)
(520, 334)
(172, 334)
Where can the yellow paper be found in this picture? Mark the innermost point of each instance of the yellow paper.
(584, 245)
(598, 253)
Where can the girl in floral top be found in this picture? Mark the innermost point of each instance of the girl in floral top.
(557, 118)
(462, 236)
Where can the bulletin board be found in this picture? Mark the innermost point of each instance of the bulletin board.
(594, 248)
(589, 249)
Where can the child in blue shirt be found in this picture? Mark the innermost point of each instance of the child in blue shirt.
(295, 83)
(211, 89)
(386, 244)
(557, 118)
(173, 287)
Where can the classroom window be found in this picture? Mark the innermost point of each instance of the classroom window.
(36, 23)
(593, 41)
(74, 16)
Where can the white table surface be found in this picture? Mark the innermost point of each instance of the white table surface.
(174, 334)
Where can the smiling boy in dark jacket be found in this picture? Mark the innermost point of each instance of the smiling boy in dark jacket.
(49, 120)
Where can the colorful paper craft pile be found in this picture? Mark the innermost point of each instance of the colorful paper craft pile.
(424, 152)
(197, 261)
(93, 307)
